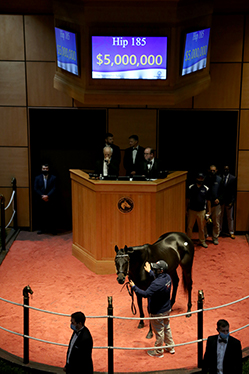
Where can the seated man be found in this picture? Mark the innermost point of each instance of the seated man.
(151, 166)
(108, 165)
(109, 142)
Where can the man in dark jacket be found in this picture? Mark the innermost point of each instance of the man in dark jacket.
(108, 165)
(79, 354)
(214, 183)
(45, 189)
(133, 156)
(158, 294)
(151, 166)
(223, 352)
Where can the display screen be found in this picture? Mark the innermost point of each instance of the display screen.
(195, 52)
(66, 51)
(129, 57)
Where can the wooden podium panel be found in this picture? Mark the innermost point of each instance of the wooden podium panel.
(101, 220)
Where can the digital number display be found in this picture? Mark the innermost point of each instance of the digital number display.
(66, 51)
(195, 52)
(120, 57)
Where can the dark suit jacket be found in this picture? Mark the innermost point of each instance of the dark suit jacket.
(113, 168)
(232, 363)
(39, 185)
(229, 189)
(80, 360)
(154, 172)
(128, 160)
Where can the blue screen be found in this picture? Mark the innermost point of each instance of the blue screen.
(129, 57)
(66, 51)
(195, 52)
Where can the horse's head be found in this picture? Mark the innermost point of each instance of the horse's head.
(122, 263)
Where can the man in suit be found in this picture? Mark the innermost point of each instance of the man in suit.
(229, 182)
(151, 166)
(45, 189)
(133, 156)
(223, 352)
(79, 353)
(108, 165)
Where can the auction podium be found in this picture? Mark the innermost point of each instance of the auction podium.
(108, 213)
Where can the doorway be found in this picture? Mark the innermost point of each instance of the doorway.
(194, 140)
(65, 139)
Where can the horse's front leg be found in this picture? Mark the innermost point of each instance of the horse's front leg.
(141, 312)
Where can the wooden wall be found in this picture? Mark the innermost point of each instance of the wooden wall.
(27, 67)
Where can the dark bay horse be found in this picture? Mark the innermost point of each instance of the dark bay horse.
(174, 247)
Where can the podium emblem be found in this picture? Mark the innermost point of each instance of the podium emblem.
(125, 205)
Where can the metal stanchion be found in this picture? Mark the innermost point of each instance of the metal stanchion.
(2, 199)
(26, 292)
(200, 326)
(110, 335)
(13, 181)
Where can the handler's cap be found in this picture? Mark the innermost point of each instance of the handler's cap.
(200, 176)
(160, 265)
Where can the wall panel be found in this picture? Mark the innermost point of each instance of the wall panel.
(11, 37)
(126, 122)
(12, 83)
(243, 175)
(40, 38)
(224, 90)
(242, 211)
(244, 130)
(13, 126)
(246, 44)
(15, 162)
(245, 87)
(41, 91)
(227, 38)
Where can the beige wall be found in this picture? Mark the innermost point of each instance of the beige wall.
(27, 66)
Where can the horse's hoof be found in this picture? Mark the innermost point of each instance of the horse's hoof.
(149, 335)
(141, 325)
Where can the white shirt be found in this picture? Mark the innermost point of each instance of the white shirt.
(221, 349)
(45, 179)
(105, 169)
(150, 166)
(134, 154)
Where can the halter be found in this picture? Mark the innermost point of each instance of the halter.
(128, 287)
(125, 255)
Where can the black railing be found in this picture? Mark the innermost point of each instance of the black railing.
(14, 215)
